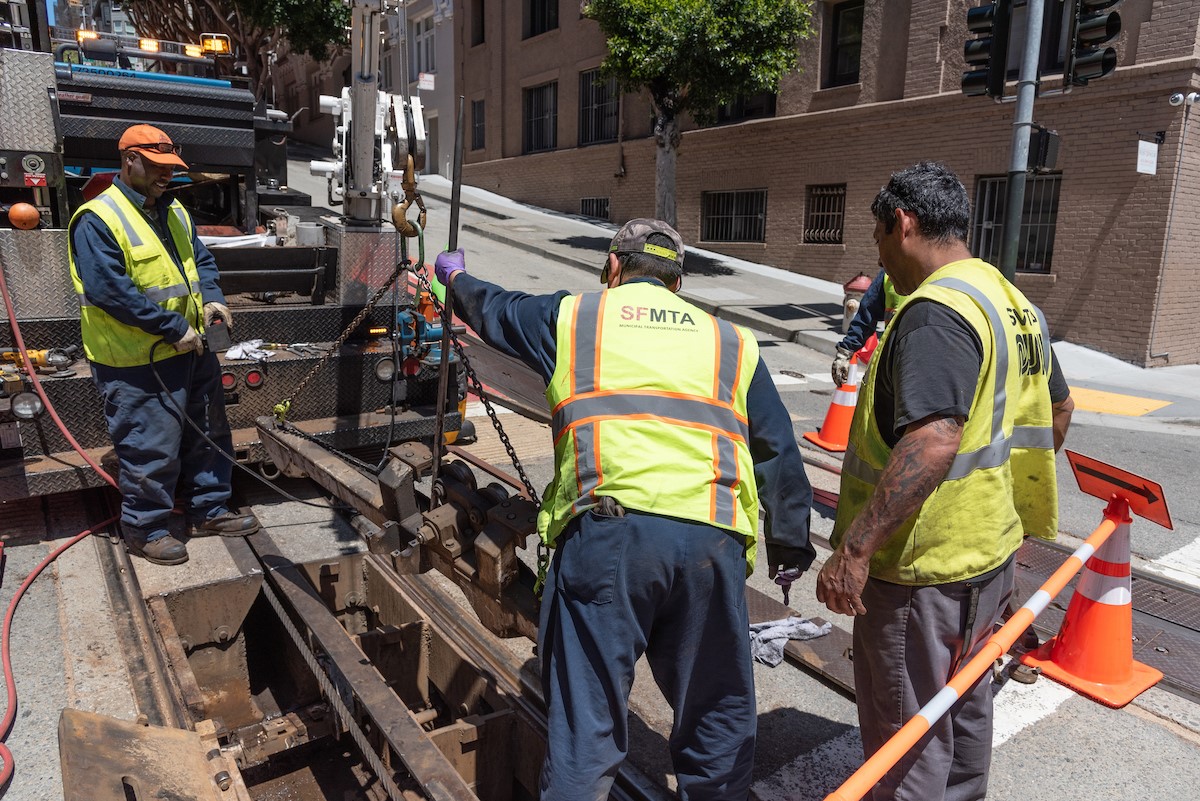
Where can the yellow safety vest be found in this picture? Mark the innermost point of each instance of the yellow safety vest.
(151, 269)
(649, 407)
(1001, 484)
(891, 299)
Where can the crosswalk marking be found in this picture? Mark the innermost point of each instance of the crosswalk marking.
(1095, 400)
(1182, 565)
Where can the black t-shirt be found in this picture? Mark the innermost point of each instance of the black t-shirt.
(930, 365)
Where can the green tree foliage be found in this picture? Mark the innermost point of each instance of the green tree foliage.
(693, 56)
(257, 28)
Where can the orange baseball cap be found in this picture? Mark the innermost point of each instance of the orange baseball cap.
(152, 143)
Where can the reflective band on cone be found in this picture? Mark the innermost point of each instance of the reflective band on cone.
(1093, 650)
(835, 431)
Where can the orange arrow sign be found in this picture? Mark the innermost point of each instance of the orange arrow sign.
(1102, 480)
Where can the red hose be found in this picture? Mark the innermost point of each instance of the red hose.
(19, 341)
(6, 771)
(10, 713)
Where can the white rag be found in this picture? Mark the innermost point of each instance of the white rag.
(767, 639)
(250, 349)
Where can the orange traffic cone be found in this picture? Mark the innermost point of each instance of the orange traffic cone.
(1093, 650)
(835, 432)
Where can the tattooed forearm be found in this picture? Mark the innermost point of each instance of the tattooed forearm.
(918, 464)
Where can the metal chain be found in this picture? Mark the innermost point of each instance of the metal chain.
(543, 551)
(284, 406)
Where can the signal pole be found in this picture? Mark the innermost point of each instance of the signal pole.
(1022, 125)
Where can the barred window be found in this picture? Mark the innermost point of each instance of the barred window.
(594, 207)
(1039, 219)
(541, 118)
(824, 214)
(734, 216)
(597, 108)
(478, 125)
(540, 16)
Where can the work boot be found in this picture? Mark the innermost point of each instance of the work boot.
(227, 524)
(162, 551)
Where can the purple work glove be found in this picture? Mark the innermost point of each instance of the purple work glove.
(448, 263)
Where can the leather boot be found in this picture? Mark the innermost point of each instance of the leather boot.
(162, 551)
(227, 524)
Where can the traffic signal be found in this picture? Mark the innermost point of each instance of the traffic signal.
(1093, 25)
(987, 55)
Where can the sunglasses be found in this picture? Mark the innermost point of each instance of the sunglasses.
(160, 147)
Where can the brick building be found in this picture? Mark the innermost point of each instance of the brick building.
(1110, 254)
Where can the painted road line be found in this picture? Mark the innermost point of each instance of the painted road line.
(823, 769)
(1095, 400)
(1019, 706)
(785, 379)
(1182, 565)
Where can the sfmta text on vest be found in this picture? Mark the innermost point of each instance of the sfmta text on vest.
(640, 313)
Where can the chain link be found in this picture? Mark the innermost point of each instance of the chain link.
(284, 406)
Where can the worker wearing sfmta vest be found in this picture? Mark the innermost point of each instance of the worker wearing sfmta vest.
(668, 434)
(1002, 477)
(147, 288)
(617, 419)
(950, 462)
(153, 272)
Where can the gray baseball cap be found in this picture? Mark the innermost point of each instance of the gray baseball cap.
(633, 235)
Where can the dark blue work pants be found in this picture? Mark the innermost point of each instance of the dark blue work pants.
(674, 590)
(158, 451)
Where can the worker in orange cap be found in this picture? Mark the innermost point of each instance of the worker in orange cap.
(147, 287)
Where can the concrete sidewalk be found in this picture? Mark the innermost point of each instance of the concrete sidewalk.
(790, 306)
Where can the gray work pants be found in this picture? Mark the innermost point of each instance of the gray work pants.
(906, 648)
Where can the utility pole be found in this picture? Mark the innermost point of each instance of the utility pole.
(1022, 125)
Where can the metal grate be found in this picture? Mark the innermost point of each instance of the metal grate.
(594, 207)
(825, 213)
(734, 216)
(478, 125)
(597, 108)
(1039, 218)
(541, 117)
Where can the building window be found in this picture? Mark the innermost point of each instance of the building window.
(597, 108)
(540, 16)
(824, 214)
(478, 125)
(747, 107)
(845, 43)
(594, 207)
(541, 118)
(1039, 218)
(734, 216)
(477, 34)
(422, 47)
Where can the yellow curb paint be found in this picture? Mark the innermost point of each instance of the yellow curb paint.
(1094, 400)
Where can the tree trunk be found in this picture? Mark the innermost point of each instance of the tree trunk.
(666, 133)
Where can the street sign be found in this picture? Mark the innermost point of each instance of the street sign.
(425, 81)
(1147, 158)
(1101, 480)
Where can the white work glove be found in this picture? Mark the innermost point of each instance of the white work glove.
(841, 367)
(191, 341)
(212, 310)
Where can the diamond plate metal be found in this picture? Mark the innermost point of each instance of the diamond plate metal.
(366, 258)
(26, 118)
(39, 274)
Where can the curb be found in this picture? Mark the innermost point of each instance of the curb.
(480, 209)
(820, 341)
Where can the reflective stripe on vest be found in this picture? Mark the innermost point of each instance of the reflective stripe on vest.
(151, 266)
(997, 487)
(644, 381)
